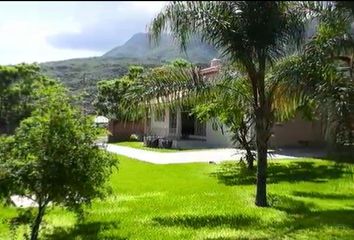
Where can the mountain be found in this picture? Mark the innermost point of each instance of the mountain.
(81, 75)
(138, 46)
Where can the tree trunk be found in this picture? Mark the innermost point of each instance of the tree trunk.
(262, 133)
(37, 222)
(242, 135)
(262, 111)
(250, 159)
(249, 155)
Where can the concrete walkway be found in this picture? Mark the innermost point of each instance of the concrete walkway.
(210, 155)
(22, 202)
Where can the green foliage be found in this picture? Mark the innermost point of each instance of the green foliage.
(221, 23)
(122, 98)
(253, 34)
(134, 72)
(110, 100)
(231, 105)
(322, 74)
(181, 63)
(52, 157)
(81, 76)
(19, 87)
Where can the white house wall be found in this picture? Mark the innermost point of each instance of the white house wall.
(216, 138)
(159, 128)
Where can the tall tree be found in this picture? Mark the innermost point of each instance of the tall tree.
(251, 33)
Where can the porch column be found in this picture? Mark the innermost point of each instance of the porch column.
(146, 127)
(179, 124)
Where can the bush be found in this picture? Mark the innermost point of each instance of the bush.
(151, 141)
(134, 138)
(166, 143)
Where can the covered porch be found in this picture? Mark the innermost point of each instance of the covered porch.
(185, 130)
(179, 126)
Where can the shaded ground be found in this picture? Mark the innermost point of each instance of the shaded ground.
(230, 173)
(309, 152)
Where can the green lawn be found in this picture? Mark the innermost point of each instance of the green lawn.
(310, 199)
(140, 145)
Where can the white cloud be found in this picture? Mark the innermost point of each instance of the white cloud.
(108, 25)
(150, 6)
(26, 42)
(92, 27)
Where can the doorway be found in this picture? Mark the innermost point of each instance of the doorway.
(187, 124)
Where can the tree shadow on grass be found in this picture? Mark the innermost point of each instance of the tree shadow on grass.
(304, 215)
(233, 174)
(87, 231)
(329, 196)
(236, 238)
(196, 222)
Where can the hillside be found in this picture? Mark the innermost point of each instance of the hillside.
(81, 75)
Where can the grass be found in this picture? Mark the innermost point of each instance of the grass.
(310, 199)
(140, 145)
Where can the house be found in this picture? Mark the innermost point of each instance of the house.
(186, 131)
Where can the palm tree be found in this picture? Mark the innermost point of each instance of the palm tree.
(323, 72)
(252, 34)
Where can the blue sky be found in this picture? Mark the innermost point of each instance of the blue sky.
(49, 31)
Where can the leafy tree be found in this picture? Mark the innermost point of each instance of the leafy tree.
(52, 158)
(237, 117)
(253, 34)
(109, 101)
(323, 72)
(180, 62)
(19, 87)
(112, 95)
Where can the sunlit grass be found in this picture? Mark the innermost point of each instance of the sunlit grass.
(310, 199)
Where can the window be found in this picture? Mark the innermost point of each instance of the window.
(159, 115)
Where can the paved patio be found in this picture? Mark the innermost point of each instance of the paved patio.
(210, 155)
(22, 202)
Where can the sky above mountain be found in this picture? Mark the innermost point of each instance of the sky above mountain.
(49, 31)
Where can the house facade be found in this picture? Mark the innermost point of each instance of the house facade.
(186, 131)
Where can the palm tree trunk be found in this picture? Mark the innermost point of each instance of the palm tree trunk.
(37, 222)
(242, 134)
(262, 133)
